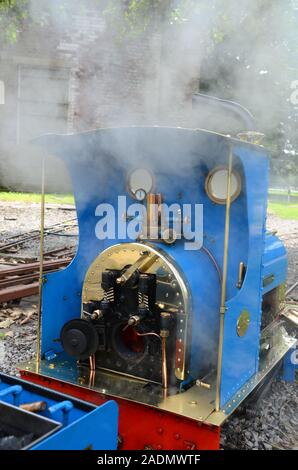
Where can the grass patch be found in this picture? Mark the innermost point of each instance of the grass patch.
(35, 197)
(284, 211)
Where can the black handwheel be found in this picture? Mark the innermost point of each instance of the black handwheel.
(79, 338)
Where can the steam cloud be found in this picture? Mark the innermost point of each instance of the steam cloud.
(147, 78)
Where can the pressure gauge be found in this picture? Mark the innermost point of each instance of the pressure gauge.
(139, 183)
(140, 195)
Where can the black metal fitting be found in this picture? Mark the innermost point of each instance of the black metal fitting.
(105, 306)
(146, 283)
(165, 321)
(108, 279)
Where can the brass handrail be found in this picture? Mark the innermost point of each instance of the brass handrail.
(41, 259)
(224, 281)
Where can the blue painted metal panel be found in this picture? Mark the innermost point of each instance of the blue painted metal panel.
(290, 365)
(34, 394)
(240, 354)
(275, 263)
(205, 302)
(95, 431)
(99, 162)
(84, 425)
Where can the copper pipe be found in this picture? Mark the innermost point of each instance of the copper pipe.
(41, 256)
(159, 201)
(154, 202)
(92, 370)
(148, 334)
(92, 362)
(164, 374)
(152, 213)
(92, 378)
(34, 407)
(164, 356)
(224, 281)
(164, 362)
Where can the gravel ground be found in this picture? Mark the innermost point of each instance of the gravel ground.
(269, 424)
(19, 338)
(20, 218)
(287, 230)
(272, 423)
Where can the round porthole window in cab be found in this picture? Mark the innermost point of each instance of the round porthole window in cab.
(216, 185)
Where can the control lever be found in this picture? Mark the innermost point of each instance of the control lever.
(143, 263)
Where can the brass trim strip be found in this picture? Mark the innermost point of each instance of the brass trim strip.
(224, 280)
(41, 258)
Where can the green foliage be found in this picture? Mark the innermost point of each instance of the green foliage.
(134, 17)
(12, 15)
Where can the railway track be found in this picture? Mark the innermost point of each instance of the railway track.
(23, 238)
(21, 280)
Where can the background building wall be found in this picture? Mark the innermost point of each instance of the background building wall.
(85, 77)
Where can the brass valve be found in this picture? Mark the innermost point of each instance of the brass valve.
(134, 320)
(96, 315)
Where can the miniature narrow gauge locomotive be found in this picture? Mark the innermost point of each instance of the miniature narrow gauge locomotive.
(171, 306)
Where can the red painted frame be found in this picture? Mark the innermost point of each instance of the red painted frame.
(140, 426)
